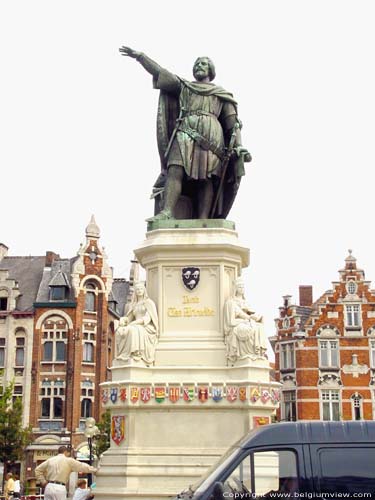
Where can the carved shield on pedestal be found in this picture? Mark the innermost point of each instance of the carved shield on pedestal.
(118, 428)
(190, 277)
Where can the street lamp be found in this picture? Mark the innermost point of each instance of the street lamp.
(91, 430)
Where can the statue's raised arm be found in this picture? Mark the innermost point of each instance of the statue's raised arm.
(199, 139)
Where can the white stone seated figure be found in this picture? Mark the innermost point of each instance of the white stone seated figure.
(137, 332)
(243, 329)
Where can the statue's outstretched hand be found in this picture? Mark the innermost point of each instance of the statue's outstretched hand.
(127, 51)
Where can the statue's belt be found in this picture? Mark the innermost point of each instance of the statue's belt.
(202, 141)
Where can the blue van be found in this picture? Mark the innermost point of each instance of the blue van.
(295, 460)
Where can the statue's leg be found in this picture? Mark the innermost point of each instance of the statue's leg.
(205, 198)
(172, 192)
(173, 187)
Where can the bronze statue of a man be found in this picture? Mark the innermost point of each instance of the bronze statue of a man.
(199, 141)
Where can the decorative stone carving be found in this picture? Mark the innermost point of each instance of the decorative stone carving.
(243, 329)
(355, 368)
(137, 332)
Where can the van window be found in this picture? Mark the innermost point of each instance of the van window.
(274, 471)
(347, 470)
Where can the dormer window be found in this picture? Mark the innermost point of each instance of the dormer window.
(58, 292)
(351, 287)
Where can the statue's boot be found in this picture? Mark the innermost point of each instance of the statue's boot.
(163, 215)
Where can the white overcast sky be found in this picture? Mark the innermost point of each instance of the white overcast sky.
(77, 127)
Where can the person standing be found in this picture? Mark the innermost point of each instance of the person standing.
(9, 485)
(53, 474)
(17, 487)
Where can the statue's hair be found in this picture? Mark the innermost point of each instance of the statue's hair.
(211, 66)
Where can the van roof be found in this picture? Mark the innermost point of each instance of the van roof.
(300, 432)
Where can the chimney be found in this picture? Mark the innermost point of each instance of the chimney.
(50, 257)
(305, 295)
(3, 251)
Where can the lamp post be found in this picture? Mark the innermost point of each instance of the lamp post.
(91, 431)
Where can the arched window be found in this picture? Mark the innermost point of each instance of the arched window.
(90, 297)
(357, 406)
(86, 408)
(54, 339)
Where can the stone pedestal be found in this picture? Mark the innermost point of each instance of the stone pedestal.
(174, 419)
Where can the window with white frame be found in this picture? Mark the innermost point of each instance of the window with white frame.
(54, 340)
(372, 353)
(2, 352)
(356, 400)
(331, 404)
(90, 297)
(328, 353)
(353, 315)
(88, 352)
(287, 356)
(52, 399)
(20, 351)
(351, 287)
(87, 399)
(88, 346)
(289, 405)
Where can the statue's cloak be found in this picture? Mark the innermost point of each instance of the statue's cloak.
(169, 110)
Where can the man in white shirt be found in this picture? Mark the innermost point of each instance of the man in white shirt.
(53, 474)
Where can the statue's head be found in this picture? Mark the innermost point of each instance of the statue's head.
(139, 289)
(239, 286)
(203, 68)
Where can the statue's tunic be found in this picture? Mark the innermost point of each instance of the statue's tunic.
(204, 109)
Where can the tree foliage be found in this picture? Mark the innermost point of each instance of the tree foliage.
(13, 436)
(102, 440)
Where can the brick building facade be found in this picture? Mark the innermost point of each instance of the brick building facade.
(325, 351)
(61, 312)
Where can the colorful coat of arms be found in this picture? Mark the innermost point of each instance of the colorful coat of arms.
(123, 394)
(232, 393)
(188, 393)
(145, 394)
(203, 394)
(174, 394)
(159, 394)
(114, 392)
(104, 396)
(254, 395)
(134, 394)
(217, 394)
(118, 428)
(275, 396)
(265, 395)
(242, 393)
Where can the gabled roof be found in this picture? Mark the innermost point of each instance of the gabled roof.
(56, 275)
(28, 272)
(59, 279)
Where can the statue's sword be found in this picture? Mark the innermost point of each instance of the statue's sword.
(228, 154)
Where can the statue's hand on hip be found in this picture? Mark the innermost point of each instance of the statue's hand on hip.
(128, 52)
